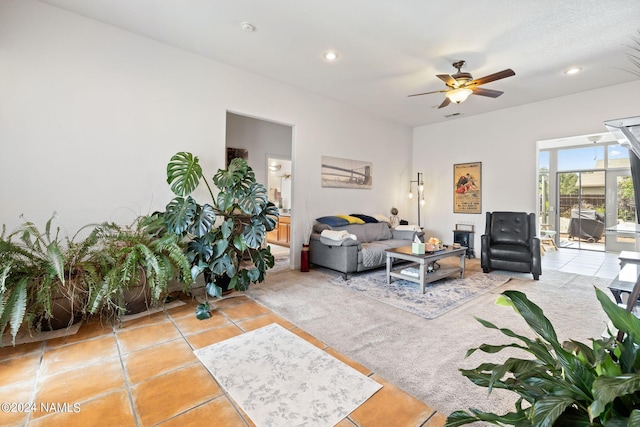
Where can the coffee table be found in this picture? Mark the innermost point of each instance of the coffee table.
(422, 261)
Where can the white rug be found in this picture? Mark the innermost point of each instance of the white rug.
(279, 379)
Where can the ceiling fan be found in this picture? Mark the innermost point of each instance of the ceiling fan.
(461, 85)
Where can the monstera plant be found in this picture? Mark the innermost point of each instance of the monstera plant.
(226, 236)
(568, 384)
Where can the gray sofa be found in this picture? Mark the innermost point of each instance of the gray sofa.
(365, 253)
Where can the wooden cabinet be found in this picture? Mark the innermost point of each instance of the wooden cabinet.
(282, 233)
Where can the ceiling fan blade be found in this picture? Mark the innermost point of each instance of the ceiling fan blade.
(445, 103)
(492, 77)
(447, 79)
(427, 93)
(486, 92)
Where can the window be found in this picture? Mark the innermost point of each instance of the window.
(581, 158)
(618, 156)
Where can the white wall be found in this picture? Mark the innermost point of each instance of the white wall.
(505, 142)
(91, 114)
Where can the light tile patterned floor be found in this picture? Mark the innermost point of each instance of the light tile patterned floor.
(145, 374)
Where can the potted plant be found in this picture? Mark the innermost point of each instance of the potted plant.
(225, 237)
(138, 263)
(568, 384)
(44, 277)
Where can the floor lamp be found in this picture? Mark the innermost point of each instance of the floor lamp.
(420, 184)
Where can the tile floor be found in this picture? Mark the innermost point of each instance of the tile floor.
(145, 373)
(588, 263)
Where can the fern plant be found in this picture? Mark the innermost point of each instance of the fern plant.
(225, 237)
(569, 384)
(143, 254)
(36, 268)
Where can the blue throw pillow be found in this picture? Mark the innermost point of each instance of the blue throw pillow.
(332, 221)
(365, 218)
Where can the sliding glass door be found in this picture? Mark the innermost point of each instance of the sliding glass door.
(581, 209)
(621, 210)
(585, 188)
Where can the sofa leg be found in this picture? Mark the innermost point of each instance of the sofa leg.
(536, 277)
(345, 276)
(485, 270)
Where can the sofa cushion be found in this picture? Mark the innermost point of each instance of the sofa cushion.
(369, 232)
(380, 217)
(365, 218)
(351, 219)
(374, 253)
(332, 221)
(512, 253)
(319, 228)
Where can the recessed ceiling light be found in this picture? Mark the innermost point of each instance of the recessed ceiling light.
(573, 70)
(330, 55)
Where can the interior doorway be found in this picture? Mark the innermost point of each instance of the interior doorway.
(267, 148)
(279, 190)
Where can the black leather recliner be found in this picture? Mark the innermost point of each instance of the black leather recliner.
(509, 243)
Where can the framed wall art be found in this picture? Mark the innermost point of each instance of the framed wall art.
(346, 173)
(467, 188)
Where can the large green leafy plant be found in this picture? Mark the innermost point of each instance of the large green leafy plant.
(44, 276)
(569, 384)
(225, 236)
(142, 256)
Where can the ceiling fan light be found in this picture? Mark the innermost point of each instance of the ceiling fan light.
(459, 95)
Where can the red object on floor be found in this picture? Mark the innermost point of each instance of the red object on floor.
(304, 259)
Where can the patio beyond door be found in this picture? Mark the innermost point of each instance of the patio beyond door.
(582, 209)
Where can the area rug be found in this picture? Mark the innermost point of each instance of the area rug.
(279, 379)
(440, 296)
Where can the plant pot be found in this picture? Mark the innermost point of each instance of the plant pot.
(137, 299)
(223, 282)
(66, 309)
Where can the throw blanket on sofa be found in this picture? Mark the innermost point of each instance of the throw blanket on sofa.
(336, 237)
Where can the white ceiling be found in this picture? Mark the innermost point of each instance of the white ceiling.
(393, 48)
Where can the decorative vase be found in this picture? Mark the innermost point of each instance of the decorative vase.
(304, 259)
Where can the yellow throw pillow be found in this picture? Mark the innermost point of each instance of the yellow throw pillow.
(351, 219)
